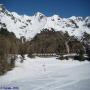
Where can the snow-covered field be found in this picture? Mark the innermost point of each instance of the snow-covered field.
(47, 74)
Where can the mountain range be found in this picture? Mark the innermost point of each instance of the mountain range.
(29, 26)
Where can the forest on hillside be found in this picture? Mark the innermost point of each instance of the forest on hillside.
(47, 41)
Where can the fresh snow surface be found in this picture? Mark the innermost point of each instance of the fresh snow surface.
(48, 74)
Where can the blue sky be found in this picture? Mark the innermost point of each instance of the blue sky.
(65, 8)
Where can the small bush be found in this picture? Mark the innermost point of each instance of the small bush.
(30, 55)
(80, 58)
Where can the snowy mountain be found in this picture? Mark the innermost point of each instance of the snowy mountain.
(29, 26)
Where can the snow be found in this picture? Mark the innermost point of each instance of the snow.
(48, 74)
(1, 7)
(21, 27)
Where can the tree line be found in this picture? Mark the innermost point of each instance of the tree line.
(51, 41)
(10, 47)
(47, 41)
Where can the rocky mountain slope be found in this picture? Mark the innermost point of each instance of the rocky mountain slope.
(29, 26)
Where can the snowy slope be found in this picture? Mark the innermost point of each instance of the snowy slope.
(48, 74)
(29, 26)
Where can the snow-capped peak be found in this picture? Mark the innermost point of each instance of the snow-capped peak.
(56, 17)
(2, 7)
(73, 17)
(39, 14)
(29, 26)
(87, 19)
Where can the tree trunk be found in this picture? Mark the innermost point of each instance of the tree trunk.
(67, 47)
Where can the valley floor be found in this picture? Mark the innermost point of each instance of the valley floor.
(47, 74)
